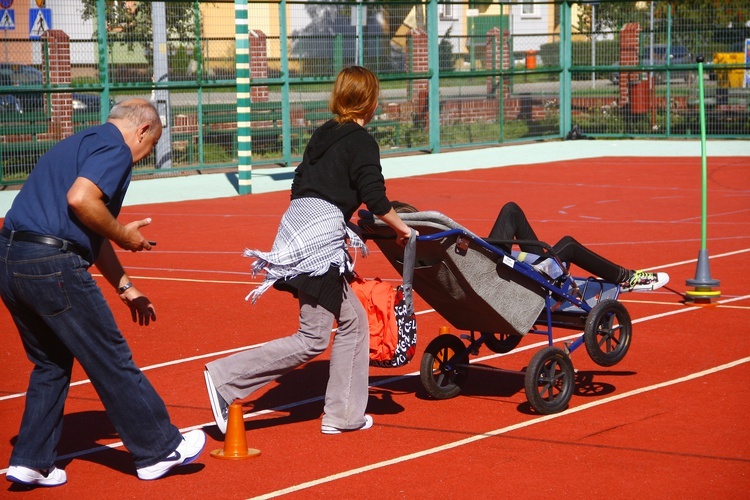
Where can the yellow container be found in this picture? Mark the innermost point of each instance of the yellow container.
(731, 77)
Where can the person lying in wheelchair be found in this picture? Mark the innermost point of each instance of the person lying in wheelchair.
(511, 225)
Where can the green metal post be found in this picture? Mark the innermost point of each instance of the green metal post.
(198, 50)
(286, 125)
(199, 74)
(360, 35)
(101, 39)
(501, 85)
(566, 58)
(704, 172)
(244, 138)
(410, 66)
(472, 34)
(433, 61)
(338, 53)
(668, 111)
(668, 53)
(703, 282)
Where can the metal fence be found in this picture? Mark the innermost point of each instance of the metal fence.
(453, 74)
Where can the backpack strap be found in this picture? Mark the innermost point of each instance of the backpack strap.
(410, 257)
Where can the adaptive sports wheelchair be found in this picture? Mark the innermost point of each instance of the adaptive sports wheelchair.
(499, 297)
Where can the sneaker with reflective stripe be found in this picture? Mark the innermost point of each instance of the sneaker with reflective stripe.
(36, 477)
(219, 406)
(190, 447)
(329, 429)
(641, 281)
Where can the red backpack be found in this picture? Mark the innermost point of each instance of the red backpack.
(393, 333)
(390, 313)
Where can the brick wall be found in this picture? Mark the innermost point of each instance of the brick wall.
(418, 62)
(61, 121)
(629, 56)
(258, 64)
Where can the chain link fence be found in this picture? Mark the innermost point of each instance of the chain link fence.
(453, 74)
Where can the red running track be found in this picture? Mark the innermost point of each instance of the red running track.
(669, 420)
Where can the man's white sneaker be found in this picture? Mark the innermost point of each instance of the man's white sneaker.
(188, 450)
(329, 429)
(219, 406)
(36, 477)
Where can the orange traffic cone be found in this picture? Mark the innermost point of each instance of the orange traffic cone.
(235, 441)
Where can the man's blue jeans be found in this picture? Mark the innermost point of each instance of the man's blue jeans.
(61, 314)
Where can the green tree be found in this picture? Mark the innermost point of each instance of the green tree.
(694, 22)
(614, 13)
(131, 21)
(719, 13)
(446, 57)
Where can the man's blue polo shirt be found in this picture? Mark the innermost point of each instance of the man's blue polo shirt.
(100, 155)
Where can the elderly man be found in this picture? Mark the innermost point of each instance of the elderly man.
(62, 221)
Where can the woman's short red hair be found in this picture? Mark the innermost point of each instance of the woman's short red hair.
(355, 94)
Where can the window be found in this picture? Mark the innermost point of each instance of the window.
(446, 11)
(528, 8)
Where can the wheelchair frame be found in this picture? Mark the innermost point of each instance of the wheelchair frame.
(570, 302)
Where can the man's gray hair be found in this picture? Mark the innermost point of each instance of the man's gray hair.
(136, 112)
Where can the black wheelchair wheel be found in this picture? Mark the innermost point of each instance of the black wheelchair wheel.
(441, 376)
(549, 381)
(608, 332)
(503, 342)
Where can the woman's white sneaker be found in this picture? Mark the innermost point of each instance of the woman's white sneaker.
(329, 429)
(219, 406)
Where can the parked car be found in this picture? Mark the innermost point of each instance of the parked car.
(9, 104)
(87, 103)
(679, 55)
(20, 75)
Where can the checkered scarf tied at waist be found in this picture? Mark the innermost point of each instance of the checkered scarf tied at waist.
(312, 237)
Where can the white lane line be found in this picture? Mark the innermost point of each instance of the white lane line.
(400, 377)
(441, 448)
(195, 280)
(690, 261)
(497, 432)
(231, 282)
(249, 274)
(384, 382)
(682, 309)
(183, 360)
(153, 367)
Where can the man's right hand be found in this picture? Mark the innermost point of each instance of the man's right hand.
(133, 239)
(87, 201)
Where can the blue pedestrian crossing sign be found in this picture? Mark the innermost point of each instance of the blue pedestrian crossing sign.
(8, 19)
(40, 20)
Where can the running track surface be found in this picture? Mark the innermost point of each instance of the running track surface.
(669, 421)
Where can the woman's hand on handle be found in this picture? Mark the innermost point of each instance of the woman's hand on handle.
(403, 232)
